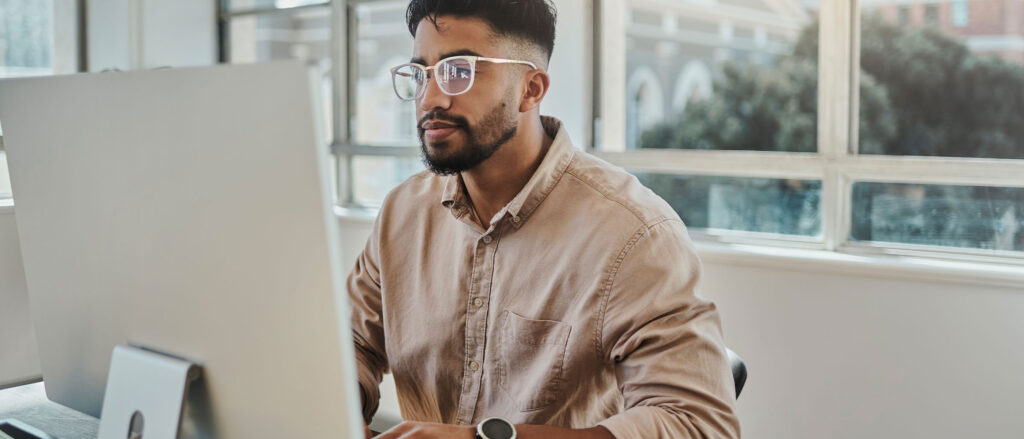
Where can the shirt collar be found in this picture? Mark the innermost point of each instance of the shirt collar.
(454, 195)
(537, 188)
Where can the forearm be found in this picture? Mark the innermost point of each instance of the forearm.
(527, 431)
(427, 430)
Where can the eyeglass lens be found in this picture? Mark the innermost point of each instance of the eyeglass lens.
(453, 75)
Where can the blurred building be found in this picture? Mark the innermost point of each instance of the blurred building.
(987, 27)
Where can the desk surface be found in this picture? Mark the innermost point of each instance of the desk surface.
(29, 404)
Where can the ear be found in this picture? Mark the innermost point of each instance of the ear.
(537, 83)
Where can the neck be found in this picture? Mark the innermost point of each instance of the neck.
(491, 185)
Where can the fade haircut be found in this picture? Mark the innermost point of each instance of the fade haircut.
(532, 21)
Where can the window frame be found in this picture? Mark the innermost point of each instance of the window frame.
(344, 146)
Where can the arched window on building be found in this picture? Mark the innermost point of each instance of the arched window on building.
(644, 105)
(693, 82)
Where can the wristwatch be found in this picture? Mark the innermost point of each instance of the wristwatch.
(495, 428)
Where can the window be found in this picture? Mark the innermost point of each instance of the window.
(944, 106)
(931, 14)
(5, 180)
(708, 77)
(975, 217)
(372, 134)
(384, 126)
(961, 16)
(904, 11)
(913, 144)
(762, 205)
(264, 30)
(37, 37)
(707, 80)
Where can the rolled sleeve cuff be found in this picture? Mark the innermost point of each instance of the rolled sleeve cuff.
(644, 422)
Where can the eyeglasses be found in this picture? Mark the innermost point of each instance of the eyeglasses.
(454, 75)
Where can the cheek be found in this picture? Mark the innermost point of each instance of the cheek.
(494, 87)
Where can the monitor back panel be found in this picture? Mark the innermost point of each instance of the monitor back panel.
(185, 210)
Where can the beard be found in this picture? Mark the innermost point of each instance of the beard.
(482, 140)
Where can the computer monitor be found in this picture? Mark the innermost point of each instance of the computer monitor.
(187, 211)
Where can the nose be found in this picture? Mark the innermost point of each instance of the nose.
(433, 97)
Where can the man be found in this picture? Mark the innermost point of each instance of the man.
(519, 278)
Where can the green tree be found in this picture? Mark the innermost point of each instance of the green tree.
(921, 93)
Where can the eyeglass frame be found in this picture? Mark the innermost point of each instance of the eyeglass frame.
(472, 80)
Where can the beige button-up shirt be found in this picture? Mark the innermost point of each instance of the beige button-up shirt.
(576, 307)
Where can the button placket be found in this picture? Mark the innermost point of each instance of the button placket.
(476, 328)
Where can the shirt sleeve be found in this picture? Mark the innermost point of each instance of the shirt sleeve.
(364, 292)
(666, 343)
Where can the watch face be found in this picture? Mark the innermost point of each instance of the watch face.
(496, 429)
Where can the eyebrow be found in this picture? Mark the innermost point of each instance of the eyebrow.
(460, 52)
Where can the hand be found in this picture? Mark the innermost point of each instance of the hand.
(426, 430)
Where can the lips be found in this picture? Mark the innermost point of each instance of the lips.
(435, 130)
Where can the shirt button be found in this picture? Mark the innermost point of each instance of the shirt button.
(515, 219)
(474, 365)
(488, 239)
(478, 302)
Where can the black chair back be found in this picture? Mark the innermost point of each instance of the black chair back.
(739, 371)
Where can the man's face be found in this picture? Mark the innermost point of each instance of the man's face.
(459, 132)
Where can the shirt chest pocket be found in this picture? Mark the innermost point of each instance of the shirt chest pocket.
(531, 356)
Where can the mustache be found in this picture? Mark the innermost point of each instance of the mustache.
(442, 115)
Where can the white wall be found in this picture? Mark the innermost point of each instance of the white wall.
(836, 355)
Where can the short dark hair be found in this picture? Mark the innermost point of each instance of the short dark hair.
(530, 20)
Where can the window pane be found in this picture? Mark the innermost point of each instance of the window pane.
(5, 180)
(730, 75)
(304, 34)
(786, 207)
(375, 176)
(960, 14)
(26, 38)
(384, 42)
(245, 5)
(26, 49)
(953, 216)
(942, 79)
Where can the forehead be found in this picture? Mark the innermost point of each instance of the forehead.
(454, 35)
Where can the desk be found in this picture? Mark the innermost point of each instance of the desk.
(28, 404)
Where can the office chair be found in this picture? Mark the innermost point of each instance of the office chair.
(739, 370)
